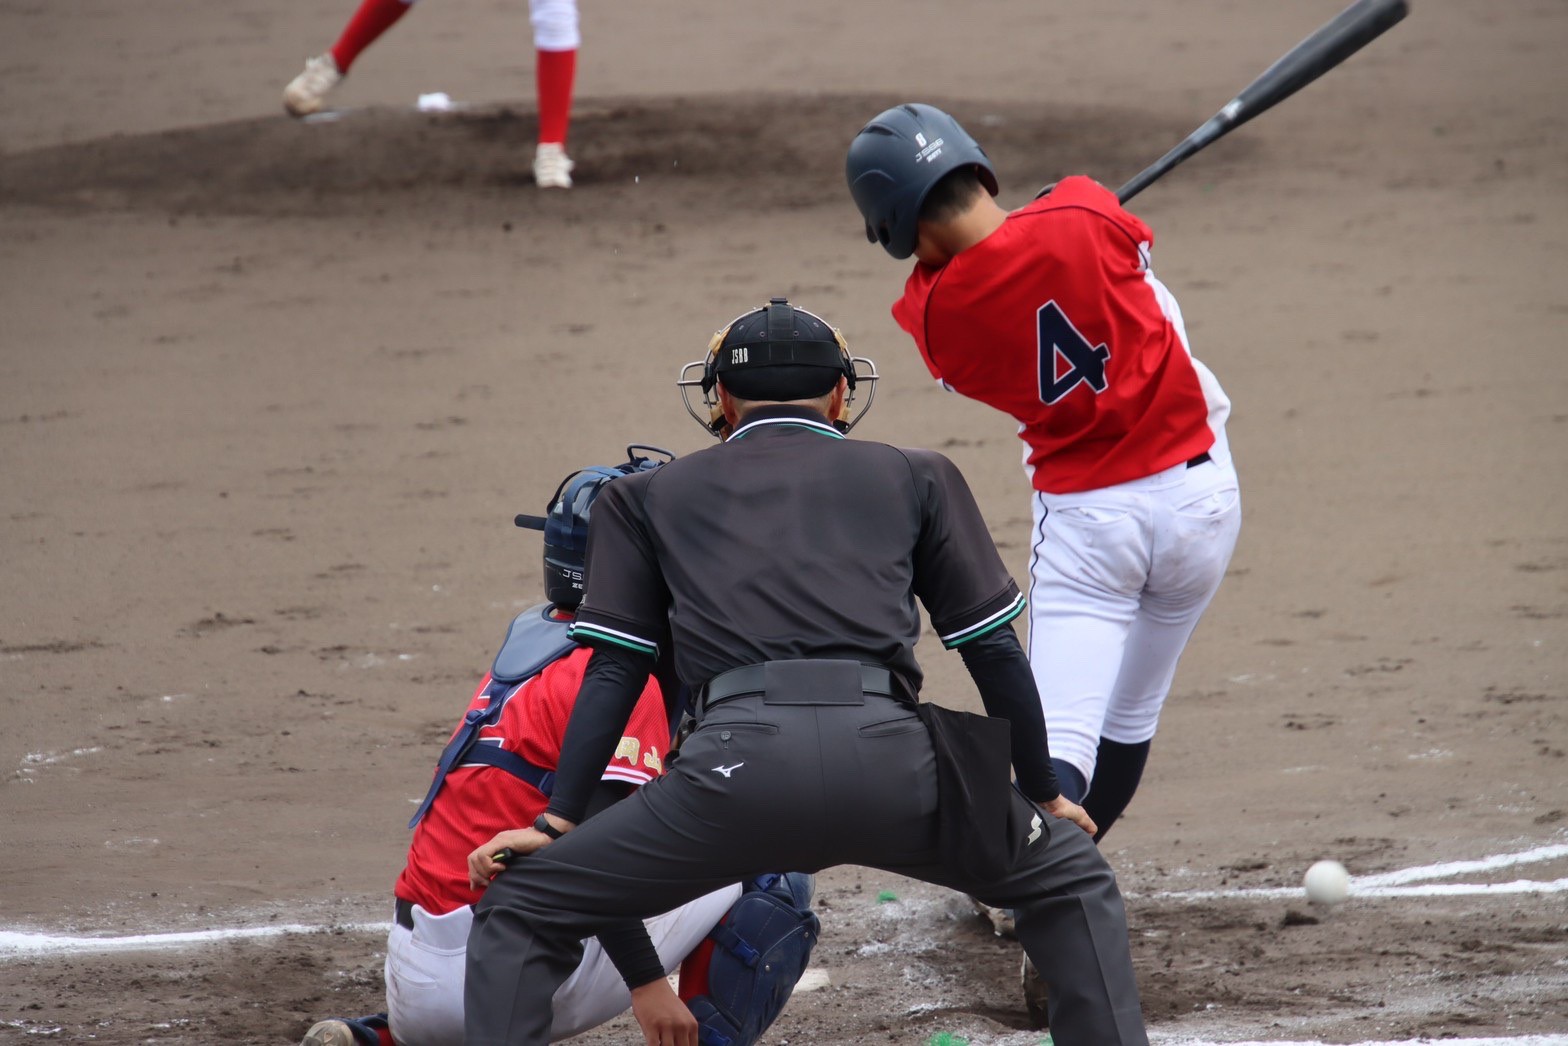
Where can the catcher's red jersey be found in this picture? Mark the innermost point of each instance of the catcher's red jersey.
(476, 802)
(1056, 319)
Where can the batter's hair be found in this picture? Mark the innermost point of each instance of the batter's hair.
(952, 195)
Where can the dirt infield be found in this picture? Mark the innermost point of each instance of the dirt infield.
(271, 392)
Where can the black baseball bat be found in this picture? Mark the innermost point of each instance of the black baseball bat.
(1350, 31)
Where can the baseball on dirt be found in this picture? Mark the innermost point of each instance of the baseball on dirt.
(1327, 882)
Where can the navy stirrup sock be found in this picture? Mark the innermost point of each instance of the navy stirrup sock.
(1117, 771)
(1068, 779)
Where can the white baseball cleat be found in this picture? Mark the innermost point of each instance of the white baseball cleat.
(307, 92)
(552, 167)
(330, 1033)
(1001, 919)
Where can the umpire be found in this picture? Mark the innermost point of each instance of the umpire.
(783, 567)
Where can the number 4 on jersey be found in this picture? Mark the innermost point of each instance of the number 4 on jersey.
(1066, 357)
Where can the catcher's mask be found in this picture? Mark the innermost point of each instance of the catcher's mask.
(779, 353)
(565, 523)
(894, 162)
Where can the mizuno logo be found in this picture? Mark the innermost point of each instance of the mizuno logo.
(727, 770)
(1038, 826)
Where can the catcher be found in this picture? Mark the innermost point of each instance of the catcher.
(496, 773)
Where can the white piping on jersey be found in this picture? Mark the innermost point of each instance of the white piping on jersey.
(1213, 396)
(817, 426)
(621, 773)
(1007, 613)
(611, 634)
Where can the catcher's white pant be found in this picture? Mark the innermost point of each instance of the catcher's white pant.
(424, 972)
(1118, 579)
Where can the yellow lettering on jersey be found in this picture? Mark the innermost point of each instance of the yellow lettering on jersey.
(627, 750)
(652, 761)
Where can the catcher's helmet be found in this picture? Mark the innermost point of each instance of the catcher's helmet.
(895, 160)
(777, 352)
(565, 525)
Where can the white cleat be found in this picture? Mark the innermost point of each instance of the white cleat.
(1001, 919)
(307, 92)
(552, 167)
(330, 1033)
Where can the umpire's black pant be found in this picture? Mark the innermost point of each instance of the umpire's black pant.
(761, 786)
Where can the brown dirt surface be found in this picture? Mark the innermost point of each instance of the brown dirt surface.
(270, 393)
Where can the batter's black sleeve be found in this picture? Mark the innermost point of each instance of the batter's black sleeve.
(1001, 672)
(959, 576)
(625, 600)
(612, 683)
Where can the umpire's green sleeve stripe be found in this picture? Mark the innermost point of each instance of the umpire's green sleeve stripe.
(642, 646)
(995, 621)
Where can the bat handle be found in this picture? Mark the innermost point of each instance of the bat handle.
(1211, 129)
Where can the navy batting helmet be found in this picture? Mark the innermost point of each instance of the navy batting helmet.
(896, 159)
(565, 525)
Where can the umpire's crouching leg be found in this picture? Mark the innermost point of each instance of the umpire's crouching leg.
(1075, 931)
(513, 971)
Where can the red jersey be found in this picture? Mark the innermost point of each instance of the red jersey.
(478, 801)
(1056, 319)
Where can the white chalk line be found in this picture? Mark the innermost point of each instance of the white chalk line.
(17, 945)
(1453, 868)
(1392, 884)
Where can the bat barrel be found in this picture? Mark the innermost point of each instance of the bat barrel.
(1349, 31)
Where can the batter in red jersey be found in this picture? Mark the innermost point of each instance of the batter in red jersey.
(1052, 314)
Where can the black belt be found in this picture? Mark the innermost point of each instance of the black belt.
(748, 679)
(1199, 460)
(403, 913)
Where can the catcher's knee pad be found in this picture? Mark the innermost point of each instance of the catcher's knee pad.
(748, 966)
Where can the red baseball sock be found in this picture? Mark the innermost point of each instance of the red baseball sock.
(373, 18)
(553, 74)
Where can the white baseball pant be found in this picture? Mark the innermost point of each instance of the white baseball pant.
(424, 972)
(554, 23)
(1118, 580)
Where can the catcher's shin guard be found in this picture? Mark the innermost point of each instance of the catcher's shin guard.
(738, 980)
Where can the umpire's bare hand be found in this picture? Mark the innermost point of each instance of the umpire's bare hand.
(1067, 810)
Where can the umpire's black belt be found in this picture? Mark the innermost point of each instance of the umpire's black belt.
(753, 679)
